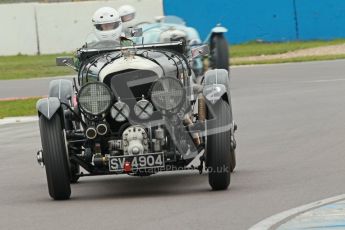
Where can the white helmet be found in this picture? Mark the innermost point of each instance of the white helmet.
(127, 13)
(107, 22)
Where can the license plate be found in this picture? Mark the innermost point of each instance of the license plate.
(138, 162)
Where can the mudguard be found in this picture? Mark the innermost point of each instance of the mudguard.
(61, 89)
(216, 84)
(48, 106)
(217, 87)
(216, 30)
(219, 29)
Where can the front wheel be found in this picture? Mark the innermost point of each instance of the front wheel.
(219, 52)
(218, 155)
(55, 157)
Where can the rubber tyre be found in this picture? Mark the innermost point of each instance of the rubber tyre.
(219, 52)
(55, 157)
(218, 156)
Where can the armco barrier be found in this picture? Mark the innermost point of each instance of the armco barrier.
(65, 26)
(31, 28)
(18, 34)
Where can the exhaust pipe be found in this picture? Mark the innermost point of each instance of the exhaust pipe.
(91, 133)
(102, 129)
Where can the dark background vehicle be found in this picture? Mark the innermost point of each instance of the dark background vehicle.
(172, 28)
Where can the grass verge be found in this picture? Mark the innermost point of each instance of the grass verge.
(266, 48)
(289, 60)
(15, 108)
(25, 66)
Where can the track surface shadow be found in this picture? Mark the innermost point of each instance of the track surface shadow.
(129, 187)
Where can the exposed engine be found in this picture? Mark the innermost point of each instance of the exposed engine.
(135, 141)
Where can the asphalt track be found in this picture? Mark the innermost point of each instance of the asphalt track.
(26, 87)
(290, 152)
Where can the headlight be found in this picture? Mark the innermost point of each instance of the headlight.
(167, 93)
(95, 98)
(120, 111)
(143, 109)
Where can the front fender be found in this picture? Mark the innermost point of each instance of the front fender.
(62, 89)
(216, 84)
(219, 29)
(214, 92)
(48, 106)
(216, 30)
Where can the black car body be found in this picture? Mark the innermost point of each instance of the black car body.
(136, 110)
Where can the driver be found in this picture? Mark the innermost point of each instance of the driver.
(107, 25)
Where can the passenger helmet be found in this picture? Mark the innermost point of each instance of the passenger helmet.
(127, 13)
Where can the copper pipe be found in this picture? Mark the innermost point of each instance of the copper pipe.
(196, 138)
(201, 108)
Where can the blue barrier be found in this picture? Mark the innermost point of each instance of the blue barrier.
(321, 19)
(268, 20)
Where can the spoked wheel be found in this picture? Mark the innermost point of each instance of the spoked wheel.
(219, 52)
(55, 157)
(218, 156)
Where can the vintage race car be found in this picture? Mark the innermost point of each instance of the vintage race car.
(136, 110)
(173, 28)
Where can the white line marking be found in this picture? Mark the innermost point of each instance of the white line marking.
(285, 64)
(325, 80)
(275, 221)
(14, 120)
(47, 78)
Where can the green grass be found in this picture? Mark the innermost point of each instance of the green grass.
(262, 48)
(23, 66)
(288, 60)
(16, 108)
